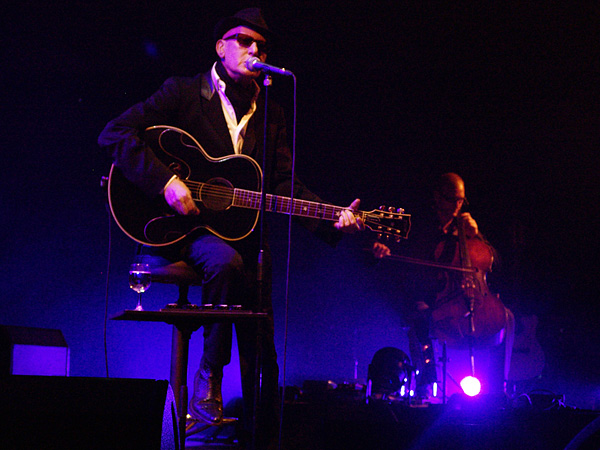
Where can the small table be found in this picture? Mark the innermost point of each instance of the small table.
(185, 322)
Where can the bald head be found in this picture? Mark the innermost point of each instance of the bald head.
(449, 182)
(449, 196)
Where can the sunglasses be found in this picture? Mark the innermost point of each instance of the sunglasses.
(462, 200)
(246, 41)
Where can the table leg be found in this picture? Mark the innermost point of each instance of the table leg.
(180, 346)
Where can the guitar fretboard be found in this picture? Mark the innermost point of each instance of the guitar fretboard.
(297, 207)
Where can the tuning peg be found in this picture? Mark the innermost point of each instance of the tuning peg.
(379, 236)
(400, 210)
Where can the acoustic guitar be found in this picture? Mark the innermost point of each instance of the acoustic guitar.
(227, 192)
(527, 359)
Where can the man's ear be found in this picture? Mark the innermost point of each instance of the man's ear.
(220, 48)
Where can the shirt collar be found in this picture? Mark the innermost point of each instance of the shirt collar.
(221, 85)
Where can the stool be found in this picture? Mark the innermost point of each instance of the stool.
(182, 275)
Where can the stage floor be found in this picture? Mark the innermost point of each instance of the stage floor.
(332, 422)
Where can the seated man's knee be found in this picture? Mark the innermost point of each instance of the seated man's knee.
(227, 265)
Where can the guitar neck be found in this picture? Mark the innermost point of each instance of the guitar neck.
(297, 207)
(396, 224)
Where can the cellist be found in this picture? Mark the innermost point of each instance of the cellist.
(435, 239)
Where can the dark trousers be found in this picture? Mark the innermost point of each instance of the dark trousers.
(228, 271)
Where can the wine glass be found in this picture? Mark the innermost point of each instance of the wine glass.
(139, 281)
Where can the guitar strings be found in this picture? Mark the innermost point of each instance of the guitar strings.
(308, 208)
(251, 199)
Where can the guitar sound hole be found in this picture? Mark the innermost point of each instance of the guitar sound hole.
(217, 194)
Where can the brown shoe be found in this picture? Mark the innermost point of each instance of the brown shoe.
(206, 404)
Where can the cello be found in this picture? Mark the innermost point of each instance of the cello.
(465, 312)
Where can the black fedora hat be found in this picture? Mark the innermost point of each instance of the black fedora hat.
(249, 17)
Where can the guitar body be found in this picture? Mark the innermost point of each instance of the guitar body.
(150, 221)
(528, 359)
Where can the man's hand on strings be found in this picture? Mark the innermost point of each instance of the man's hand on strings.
(179, 197)
(348, 222)
(471, 228)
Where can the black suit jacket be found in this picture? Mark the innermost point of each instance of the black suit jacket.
(192, 104)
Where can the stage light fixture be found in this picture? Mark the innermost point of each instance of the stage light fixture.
(470, 386)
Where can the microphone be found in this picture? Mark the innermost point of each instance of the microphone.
(254, 65)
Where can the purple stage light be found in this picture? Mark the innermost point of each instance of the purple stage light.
(470, 386)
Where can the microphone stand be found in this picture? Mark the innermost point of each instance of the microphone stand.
(268, 81)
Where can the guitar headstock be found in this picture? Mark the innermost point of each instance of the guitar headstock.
(389, 222)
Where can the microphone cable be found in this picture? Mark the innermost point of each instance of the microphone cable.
(104, 185)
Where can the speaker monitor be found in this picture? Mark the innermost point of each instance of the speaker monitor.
(91, 413)
(33, 351)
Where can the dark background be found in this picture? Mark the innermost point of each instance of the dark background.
(389, 95)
